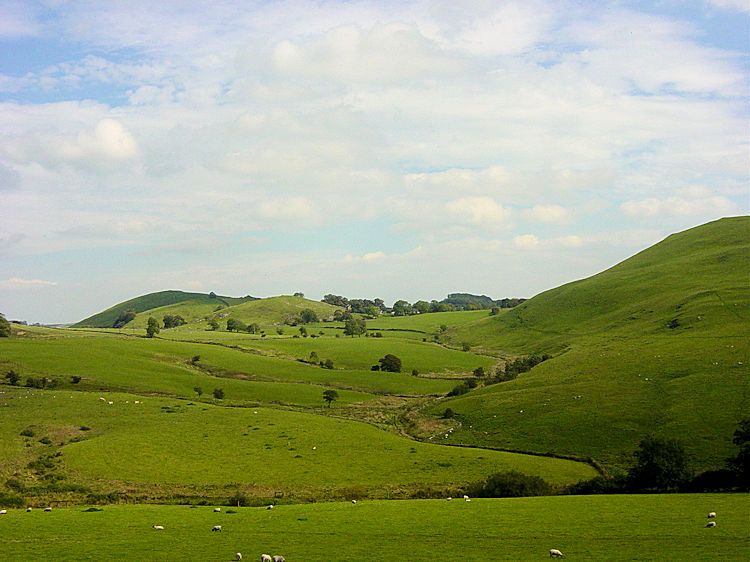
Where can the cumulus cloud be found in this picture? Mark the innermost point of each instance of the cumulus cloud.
(550, 214)
(733, 5)
(19, 283)
(679, 206)
(477, 211)
(366, 258)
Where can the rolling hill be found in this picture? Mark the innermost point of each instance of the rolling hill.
(657, 344)
(161, 299)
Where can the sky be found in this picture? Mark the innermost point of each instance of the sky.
(389, 149)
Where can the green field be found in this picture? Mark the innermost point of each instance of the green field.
(643, 527)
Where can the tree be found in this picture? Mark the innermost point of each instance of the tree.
(198, 390)
(401, 308)
(329, 396)
(124, 317)
(308, 315)
(342, 315)
(479, 372)
(336, 300)
(235, 325)
(303, 331)
(213, 324)
(740, 464)
(218, 393)
(13, 377)
(390, 363)
(421, 306)
(253, 328)
(4, 327)
(173, 320)
(660, 464)
(299, 294)
(355, 327)
(328, 364)
(371, 311)
(313, 357)
(153, 327)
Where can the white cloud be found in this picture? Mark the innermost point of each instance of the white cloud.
(733, 5)
(526, 241)
(366, 258)
(19, 283)
(550, 214)
(679, 206)
(479, 211)
(288, 209)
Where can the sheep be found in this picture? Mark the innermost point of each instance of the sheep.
(3, 511)
(265, 558)
(468, 500)
(28, 509)
(354, 501)
(711, 514)
(448, 499)
(217, 509)
(278, 558)
(158, 527)
(711, 524)
(102, 399)
(238, 556)
(270, 507)
(47, 509)
(216, 528)
(466, 497)
(554, 553)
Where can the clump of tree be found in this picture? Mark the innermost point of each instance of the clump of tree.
(173, 321)
(218, 393)
(660, 465)
(390, 363)
(516, 367)
(234, 325)
(463, 387)
(740, 464)
(13, 378)
(198, 390)
(152, 328)
(308, 315)
(355, 327)
(329, 396)
(124, 317)
(213, 324)
(510, 484)
(4, 327)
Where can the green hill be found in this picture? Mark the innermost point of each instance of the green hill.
(656, 344)
(106, 318)
(275, 310)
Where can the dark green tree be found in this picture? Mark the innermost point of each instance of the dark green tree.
(124, 317)
(390, 363)
(173, 321)
(13, 377)
(329, 396)
(740, 464)
(308, 315)
(4, 327)
(153, 327)
(660, 464)
(234, 325)
(355, 327)
(213, 324)
(198, 390)
(402, 308)
(421, 306)
(218, 393)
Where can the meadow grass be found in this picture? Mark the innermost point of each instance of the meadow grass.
(180, 443)
(625, 527)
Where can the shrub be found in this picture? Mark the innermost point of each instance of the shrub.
(458, 390)
(75, 379)
(414, 373)
(466, 346)
(597, 485)
(510, 484)
(85, 428)
(479, 372)
(390, 363)
(28, 432)
(448, 414)
(328, 364)
(14, 484)
(218, 393)
(46, 441)
(11, 500)
(13, 377)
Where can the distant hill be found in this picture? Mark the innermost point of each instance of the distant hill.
(106, 318)
(657, 344)
(276, 310)
(467, 301)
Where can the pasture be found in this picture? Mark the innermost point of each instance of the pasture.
(626, 527)
(164, 443)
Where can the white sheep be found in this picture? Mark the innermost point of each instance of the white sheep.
(28, 509)
(554, 553)
(102, 399)
(278, 558)
(238, 556)
(711, 524)
(265, 558)
(3, 511)
(159, 527)
(711, 514)
(448, 499)
(270, 507)
(216, 528)
(354, 501)
(217, 509)
(47, 509)
(466, 497)
(468, 500)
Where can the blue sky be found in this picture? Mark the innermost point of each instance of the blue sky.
(400, 150)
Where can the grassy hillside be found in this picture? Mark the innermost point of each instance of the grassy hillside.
(276, 310)
(106, 318)
(657, 344)
(643, 527)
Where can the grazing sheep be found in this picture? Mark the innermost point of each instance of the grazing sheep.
(270, 507)
(466, 497)
(159, 527)
(238, 556)
(102, 399)
(468, 500)
(354, 501)
(554, 553)
(448, 499)
(278, 558)
(216, 528)
(3, 511)
(711, 524)
(711, 514)
(265, 558)
(28, 509)
(47, 509)
(217, 509)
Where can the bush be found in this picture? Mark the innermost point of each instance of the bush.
(75, 379)
(661, 464)
(46, 441)
(598, 485)
(466, 346)
(328, 364)
(28, 432)
(414, 373)
(13, 377)
(510, 485)
(458, 390)
(218, 393)
(448, 414)
(390, 363)
(11, 500)
(479, 372)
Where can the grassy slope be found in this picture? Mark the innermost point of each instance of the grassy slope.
(276, 310)
(612, 330)
(106, 318)
(168, 442)
(644, 527)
